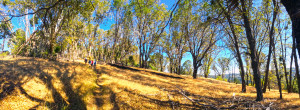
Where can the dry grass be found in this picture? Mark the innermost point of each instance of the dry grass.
(28, 83)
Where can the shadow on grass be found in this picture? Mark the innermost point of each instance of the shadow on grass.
(154, 73)
(15, 74)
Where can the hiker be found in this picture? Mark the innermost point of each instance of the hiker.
(89, 60)
(85, 60)
(95, 63)
(92, 63)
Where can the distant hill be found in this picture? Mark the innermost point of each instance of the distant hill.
(229, 76)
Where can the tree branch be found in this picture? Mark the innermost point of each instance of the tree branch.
(12, 16)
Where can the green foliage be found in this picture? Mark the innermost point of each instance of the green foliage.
(221, 79)
(45, 54)
(131, 61)
(17, 41)
(236, 80)
(5, 29)
(152, 67)
(295, 85)
(4, 53)
(186, 67)
(57, 49)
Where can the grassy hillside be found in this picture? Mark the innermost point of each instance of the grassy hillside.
(33, 83)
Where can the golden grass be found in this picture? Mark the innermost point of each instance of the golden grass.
(42, 84)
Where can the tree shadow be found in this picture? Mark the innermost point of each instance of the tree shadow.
(103, 95)
(152, 72)
(15, 74)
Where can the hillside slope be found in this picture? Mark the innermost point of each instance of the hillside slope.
(33, 83)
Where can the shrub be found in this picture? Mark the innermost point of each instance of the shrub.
(236, 80)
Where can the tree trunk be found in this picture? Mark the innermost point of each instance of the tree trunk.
(247, 79)
(195, 72)
(296, 65)
(273, 48)
(291, 69)
(171, 65)
(253, 53)
(3, 44)
(277, 73)
(27, 32)
(271, 34)
(267, 66)
(236, 46)
(293, 7)
(284, 67)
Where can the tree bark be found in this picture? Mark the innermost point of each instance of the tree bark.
(293, 7)
(253, 53)
(296, 65)
(3, 44)
(195, 68)
(284, 66)
(291, 69)
(195, 72)
(276, 70)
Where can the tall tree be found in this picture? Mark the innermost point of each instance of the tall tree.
(293, 7)
(233, 37)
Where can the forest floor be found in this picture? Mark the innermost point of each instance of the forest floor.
(34, 83)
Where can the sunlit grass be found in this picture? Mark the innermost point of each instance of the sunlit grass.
(43, 84)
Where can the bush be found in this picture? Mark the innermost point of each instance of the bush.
(4, 53)
(152, 67)
(45, 54)
(131, 61)
(221, 79)
(236, 80)
(57, 49)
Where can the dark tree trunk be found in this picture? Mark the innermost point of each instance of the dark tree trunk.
(293, 7)
(283, 59)
(277, 73)
(270, 51)
(171, 65)
(267, 67)
(3, 44)
(291, 69)
(247, 79)
(195, 68)
(253, 54)
(195, 72)
(296, 65)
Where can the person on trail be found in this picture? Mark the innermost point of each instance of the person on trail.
(92, 63)
(89, 60)
(85, 60)
(95, 63)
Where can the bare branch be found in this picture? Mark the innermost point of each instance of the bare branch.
(12, 16)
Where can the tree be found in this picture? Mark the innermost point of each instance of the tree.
(233, 37)
(292, 7)
(17, 40)
(187, 67)
(223, 64)
(150, 19)
(200, 32)
(251, 41)
(208, 60)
